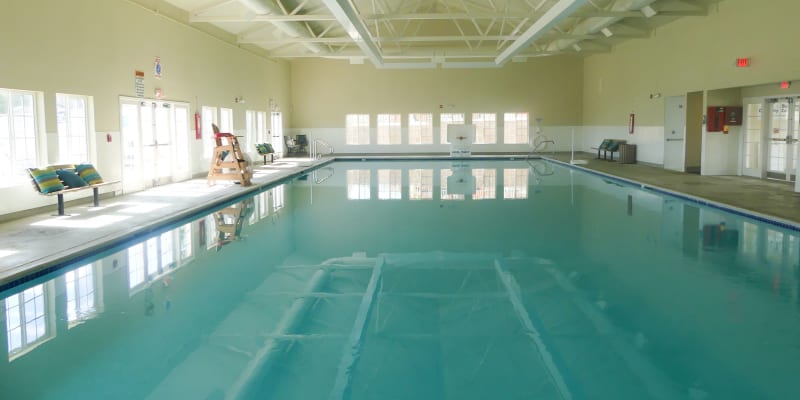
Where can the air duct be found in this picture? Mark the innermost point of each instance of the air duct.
(291, 28)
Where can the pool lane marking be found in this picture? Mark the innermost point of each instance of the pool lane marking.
(353, 349)
(512, 287)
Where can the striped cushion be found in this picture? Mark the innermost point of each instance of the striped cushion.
(46, 179)
(88, 174)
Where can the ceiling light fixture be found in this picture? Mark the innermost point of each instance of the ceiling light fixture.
(607, 32)
(648, 11)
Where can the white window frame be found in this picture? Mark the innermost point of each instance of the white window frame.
(515, 128)
(485, 128)
(515, 183)
(390, 184)
(389, 128)
(420, 128)
(485, 184)
(358, 184)
(75, 127)
(357, 129)
(226, 120)
(44, 314)
(208, 116)
(443, 195)
(446, 119)
(14, 161)
(84, 294)
(420, 184)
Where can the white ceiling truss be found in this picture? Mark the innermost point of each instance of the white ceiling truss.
(431, 33)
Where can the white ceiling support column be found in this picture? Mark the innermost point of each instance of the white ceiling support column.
(348, 17)
(593, 25)
(554, 15)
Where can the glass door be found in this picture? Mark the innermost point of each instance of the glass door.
(752, 149)
(150, 131)
(784, 118)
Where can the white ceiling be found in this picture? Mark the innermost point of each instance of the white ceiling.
(431, 33)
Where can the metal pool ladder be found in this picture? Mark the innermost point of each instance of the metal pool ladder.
(315, 153)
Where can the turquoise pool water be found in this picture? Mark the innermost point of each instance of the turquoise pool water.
(422, 280)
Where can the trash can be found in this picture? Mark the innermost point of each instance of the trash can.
(627, 153)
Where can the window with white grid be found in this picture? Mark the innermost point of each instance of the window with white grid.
(208, 118)
(420, 128)
(278, 197)
(251, 129)
(357, 129)
(389, 129)
(226, 120)
(443, 185)
(19, 147)
(81, 297)
(390, 184)
(446, 119)
(515, 183)
(515, 128)
(28, 319)
(485, 128)
(72, 121)
(420, 184)
(358, 184)
(485, 181)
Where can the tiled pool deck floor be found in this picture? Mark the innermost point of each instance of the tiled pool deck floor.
(37, 242)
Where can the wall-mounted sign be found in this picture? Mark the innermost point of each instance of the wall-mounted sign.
(157, 68)
(743, 62)
(785, 85)
(138, 83)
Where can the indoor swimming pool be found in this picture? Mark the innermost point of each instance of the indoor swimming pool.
(491, 279)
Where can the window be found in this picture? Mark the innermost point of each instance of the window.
(135, 265)
(185, 242)
(485, 179)
(485, 128)
(420, 128)
(18, 134)
(420, 184)
(389, 129)
(81, 295)
(515, 128)
(446, 119)
(357, 129)
(251, 128)
(390, 184)
(444, 195)
(209, 117)
(226, 120)
(358, 184)
(29, 319)
(515, 183)
(261, 127)
(278, 197)
(72, 119)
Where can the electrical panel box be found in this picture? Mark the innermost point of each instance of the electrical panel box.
(719, 118)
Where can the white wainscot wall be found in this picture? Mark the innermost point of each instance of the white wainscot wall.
(649, 140)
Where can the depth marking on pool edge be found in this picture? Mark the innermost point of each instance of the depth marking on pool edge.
(512, 287)
(353, 349)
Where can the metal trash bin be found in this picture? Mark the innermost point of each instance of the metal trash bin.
(627, 154)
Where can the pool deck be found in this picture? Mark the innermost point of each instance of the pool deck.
(42, 241)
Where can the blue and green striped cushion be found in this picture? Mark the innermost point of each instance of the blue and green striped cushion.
(70, 178)
(47, 180)
(88, 174)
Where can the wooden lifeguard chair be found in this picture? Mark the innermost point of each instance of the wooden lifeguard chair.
(227, 161)
(229, 222)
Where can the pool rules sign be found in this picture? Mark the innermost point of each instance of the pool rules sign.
(138, 83)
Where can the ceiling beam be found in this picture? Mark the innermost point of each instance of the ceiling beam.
(347, 16)
(556, 13)
(262, 18)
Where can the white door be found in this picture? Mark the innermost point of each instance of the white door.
(751, 138)
(674, 132)
(276, 121)
(782, 138)
(155, 143)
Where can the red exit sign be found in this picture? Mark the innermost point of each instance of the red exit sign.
(743, 62)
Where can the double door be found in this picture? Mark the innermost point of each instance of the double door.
(771, 133)
(155, 138)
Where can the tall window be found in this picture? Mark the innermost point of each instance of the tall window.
(389, 129)
(515, 183)
(485, 179)
(420, 128)
(278, 197)
(81, 298)
(444, 195)
(446, 119)
(358, 184)
(261, 127)
(28, 321)
(357, 129)
(72, 118)
(226, 120)
(515, 128)
(251, 128)
(485, 127)
(390, 184)
(18, 131)
(420, 184)
(209, 117)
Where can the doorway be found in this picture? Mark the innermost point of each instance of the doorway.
(155, 140)
(772, 129)
(276, 122)
(674, 132)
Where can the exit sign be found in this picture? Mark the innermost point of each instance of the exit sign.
(743, 62)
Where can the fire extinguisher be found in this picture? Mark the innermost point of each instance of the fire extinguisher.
(631, 123)
(198, 126)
